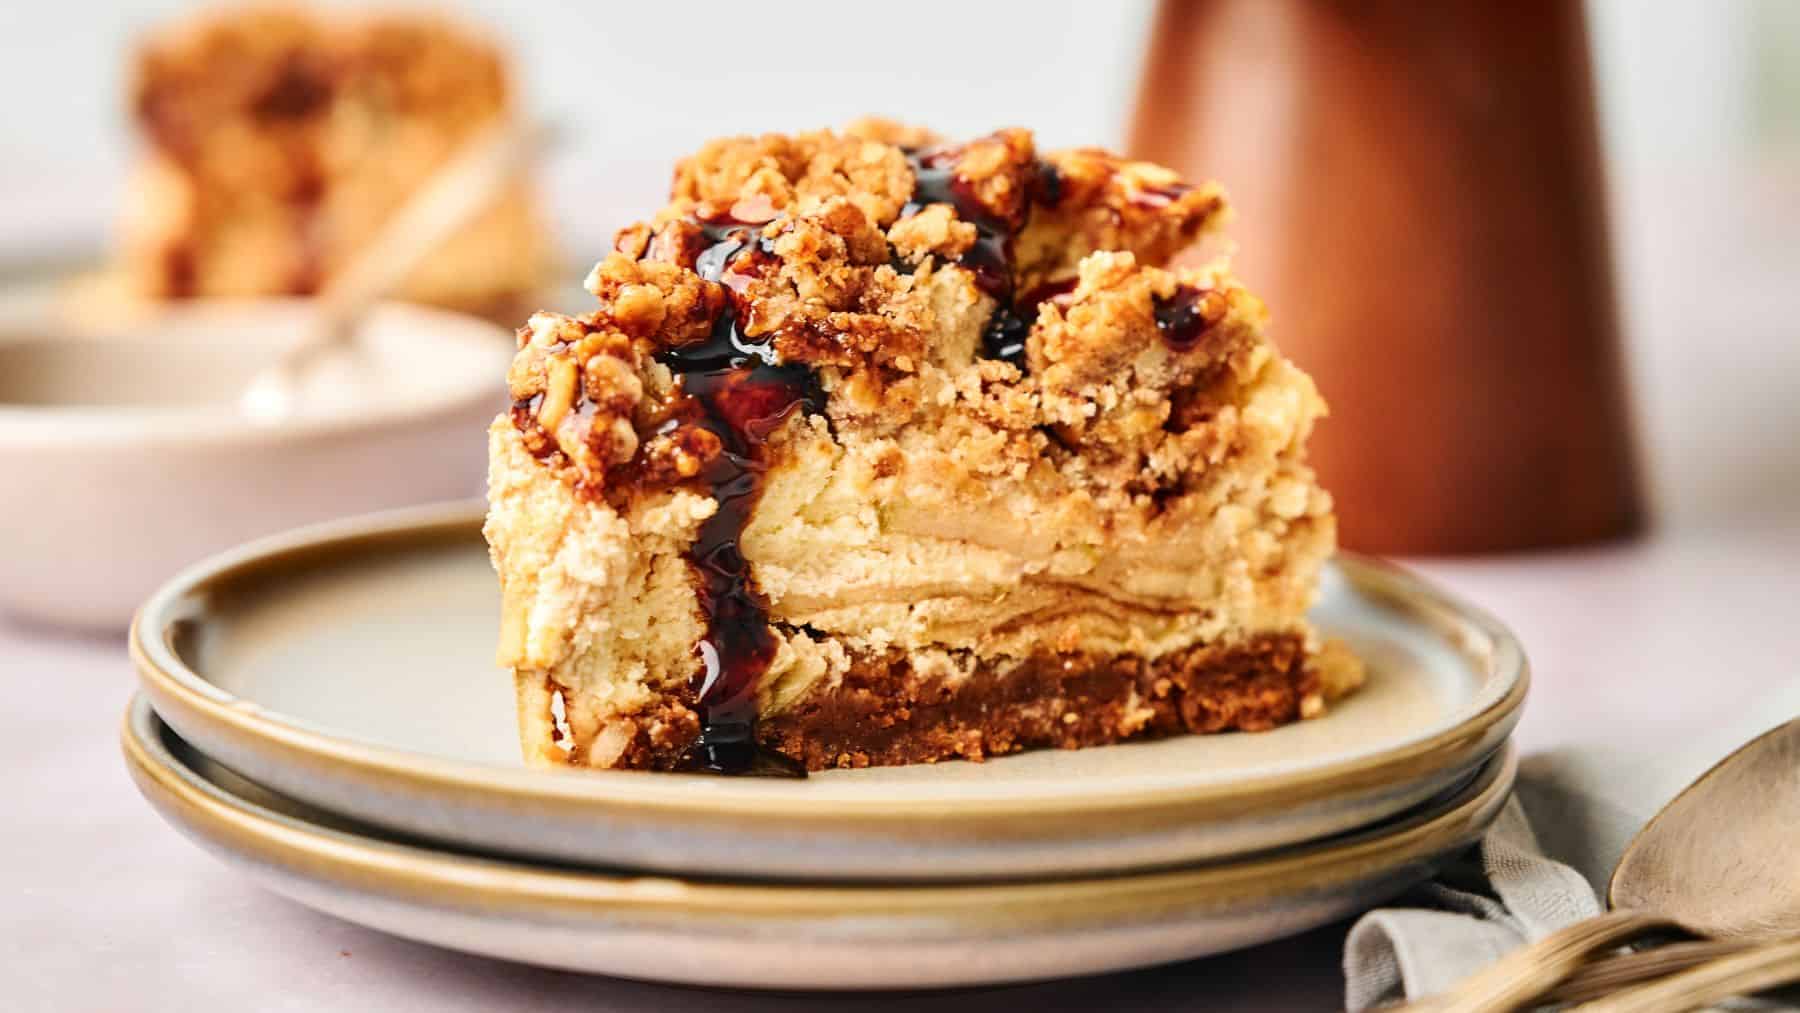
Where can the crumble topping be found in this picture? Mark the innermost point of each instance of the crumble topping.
(791, 174)
(842, 269)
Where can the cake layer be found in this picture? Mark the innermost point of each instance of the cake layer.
(857, 413)
(907, 541)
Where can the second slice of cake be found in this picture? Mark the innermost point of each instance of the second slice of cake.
(883, 450)
(280, 140)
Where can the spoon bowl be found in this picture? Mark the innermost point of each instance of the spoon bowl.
(1721, 857)
(1717, 863)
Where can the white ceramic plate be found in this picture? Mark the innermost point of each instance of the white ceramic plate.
(348, 667)
(793, 936)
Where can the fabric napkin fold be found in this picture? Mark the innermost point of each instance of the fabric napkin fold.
(1501, 896)
(1543, 865)
(1489, 902)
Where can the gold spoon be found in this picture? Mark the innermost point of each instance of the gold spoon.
(1719, 861)
(462, 189)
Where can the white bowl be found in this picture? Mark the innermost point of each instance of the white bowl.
(123, 457)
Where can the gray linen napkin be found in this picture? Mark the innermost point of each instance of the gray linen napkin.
(1505, 895)
(1540, 867)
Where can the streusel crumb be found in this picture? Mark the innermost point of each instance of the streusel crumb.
(843, 271)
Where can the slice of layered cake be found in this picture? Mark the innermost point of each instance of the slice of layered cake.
(279, 141)
(881, 450)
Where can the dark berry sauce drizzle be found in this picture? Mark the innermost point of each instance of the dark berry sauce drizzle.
(1183, 318)
(737, 390)
(990, 259)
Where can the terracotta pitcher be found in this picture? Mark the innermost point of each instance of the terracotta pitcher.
(1419, 199)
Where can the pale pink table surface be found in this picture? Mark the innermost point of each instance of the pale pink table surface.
(102, 906)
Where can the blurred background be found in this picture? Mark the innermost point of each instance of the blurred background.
(1699, 120)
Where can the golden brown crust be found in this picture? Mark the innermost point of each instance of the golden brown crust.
(907, 136)
(659, 301)
(590, 404)
(747, 177)
(1111, 203)
(886, 711)
(1107, 376)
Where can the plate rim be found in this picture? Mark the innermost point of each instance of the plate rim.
(444, 877)
(174, 686)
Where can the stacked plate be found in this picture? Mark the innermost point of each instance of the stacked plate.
(320, 710)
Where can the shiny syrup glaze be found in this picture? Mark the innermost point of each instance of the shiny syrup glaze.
(990, 259)
(1160, 196)
(738, 391)
(1184, 318)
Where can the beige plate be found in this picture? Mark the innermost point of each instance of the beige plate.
(787, 936)
(348, 667)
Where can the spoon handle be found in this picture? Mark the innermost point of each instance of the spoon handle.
(1528, 972)
(1755, 970)
(463, 188)
(1607, 975)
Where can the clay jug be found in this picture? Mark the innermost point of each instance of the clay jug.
(1419, 199)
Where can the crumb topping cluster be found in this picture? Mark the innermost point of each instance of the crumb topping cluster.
(862, 256)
